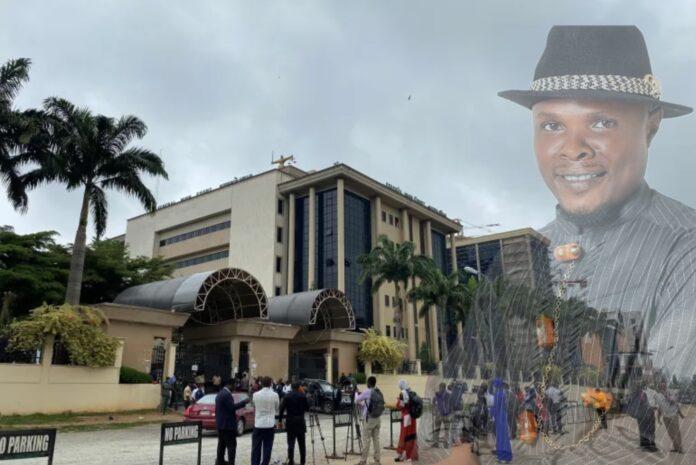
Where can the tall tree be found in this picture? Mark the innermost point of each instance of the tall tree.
(444, 293)
(15, 131)
(90, 152)
(389, 262)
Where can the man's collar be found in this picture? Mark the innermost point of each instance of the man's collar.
(629, 210)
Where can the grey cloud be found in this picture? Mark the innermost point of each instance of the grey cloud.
(223, 84)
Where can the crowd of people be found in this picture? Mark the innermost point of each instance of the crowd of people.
(510, 412)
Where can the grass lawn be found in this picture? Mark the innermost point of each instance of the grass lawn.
(70, 421)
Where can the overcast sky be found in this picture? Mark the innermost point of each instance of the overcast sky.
(222, 85)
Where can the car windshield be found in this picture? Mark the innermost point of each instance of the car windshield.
(326, 387)
(208, 399)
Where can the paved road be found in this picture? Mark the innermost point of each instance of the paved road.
(140, 446)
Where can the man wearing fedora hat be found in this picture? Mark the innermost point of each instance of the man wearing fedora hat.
(596, 108)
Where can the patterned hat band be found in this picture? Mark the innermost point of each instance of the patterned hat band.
(647, 85)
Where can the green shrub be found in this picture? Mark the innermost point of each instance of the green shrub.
(360, 378)
(130, 375)
(80, 329)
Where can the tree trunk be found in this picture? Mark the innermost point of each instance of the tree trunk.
(441, 315)
(398, 314)
(77, 261)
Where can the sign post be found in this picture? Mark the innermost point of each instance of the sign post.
(180, 433)
(394, 417)
(27, 444)
(340, 419)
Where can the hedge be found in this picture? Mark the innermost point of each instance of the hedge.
(130, 375)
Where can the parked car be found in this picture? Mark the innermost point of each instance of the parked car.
(204, 411)
(323, 396)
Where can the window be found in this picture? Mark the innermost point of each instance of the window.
(195, 233)
(202, 259)
(279, 234)
(279, 263)
(396, 221)
(388, 331)
(394, 302)
(277, 290)
(384, 216)
(391, 219)
(280, 206)
(386, 300)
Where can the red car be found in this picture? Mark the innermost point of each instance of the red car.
(204, 410)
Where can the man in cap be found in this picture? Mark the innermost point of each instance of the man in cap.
(596, 108)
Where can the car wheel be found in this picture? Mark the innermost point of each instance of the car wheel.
(327, 406)
(240, 426)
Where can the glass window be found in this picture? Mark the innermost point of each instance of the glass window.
(195, 233)
(388, 331)
(357, 219)
(280, 206)
(386, 300)
(279, 263)
(279, 234)
(301, 244)
(391, 219)
(396, 221)
(277, 290)
(202, 259)
(394, 301)
(384, 216)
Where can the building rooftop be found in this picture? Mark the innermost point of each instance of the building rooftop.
(465, 240)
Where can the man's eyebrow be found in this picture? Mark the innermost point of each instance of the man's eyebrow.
(598, 114)
(546, 114)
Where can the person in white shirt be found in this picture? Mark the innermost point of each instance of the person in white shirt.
(266, 403)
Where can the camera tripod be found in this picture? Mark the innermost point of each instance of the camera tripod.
(314, 422)
(354, 423)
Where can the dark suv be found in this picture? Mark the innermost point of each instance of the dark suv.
(324, 396)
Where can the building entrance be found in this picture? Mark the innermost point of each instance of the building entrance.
(203, 359)
(308, 364)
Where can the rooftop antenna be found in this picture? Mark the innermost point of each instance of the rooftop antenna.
(281, 162)
(485, 227)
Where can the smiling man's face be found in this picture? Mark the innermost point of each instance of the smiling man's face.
(592, 154)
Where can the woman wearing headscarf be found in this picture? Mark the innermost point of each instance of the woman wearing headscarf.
(408, 441)
(503, 448)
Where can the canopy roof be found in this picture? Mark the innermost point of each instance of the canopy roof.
(318, 309)
(228, 293)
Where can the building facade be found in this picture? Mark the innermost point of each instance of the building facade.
(298, 231)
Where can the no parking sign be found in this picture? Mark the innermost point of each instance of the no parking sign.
(27, 444)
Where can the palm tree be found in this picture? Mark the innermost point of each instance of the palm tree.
(15, 129)
(444, 293)
(90, 152)
(389, 262)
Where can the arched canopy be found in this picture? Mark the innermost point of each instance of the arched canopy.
(319, 309)
(211, 296)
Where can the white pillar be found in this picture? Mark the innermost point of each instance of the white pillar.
(329, 366)
(409, 319)
(435, 348)
(169, 360)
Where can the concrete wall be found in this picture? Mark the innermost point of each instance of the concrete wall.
(139, 340)
(47, 388)
(253, 230)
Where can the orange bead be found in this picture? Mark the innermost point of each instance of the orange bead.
(567, 252)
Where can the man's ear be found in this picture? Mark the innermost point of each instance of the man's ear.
(654, 120)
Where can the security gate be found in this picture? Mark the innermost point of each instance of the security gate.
(206, 359)
(308, 364)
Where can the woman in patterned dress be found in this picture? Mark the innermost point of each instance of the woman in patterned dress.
(408, 440)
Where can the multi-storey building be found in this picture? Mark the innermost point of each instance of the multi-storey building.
(295, 231)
